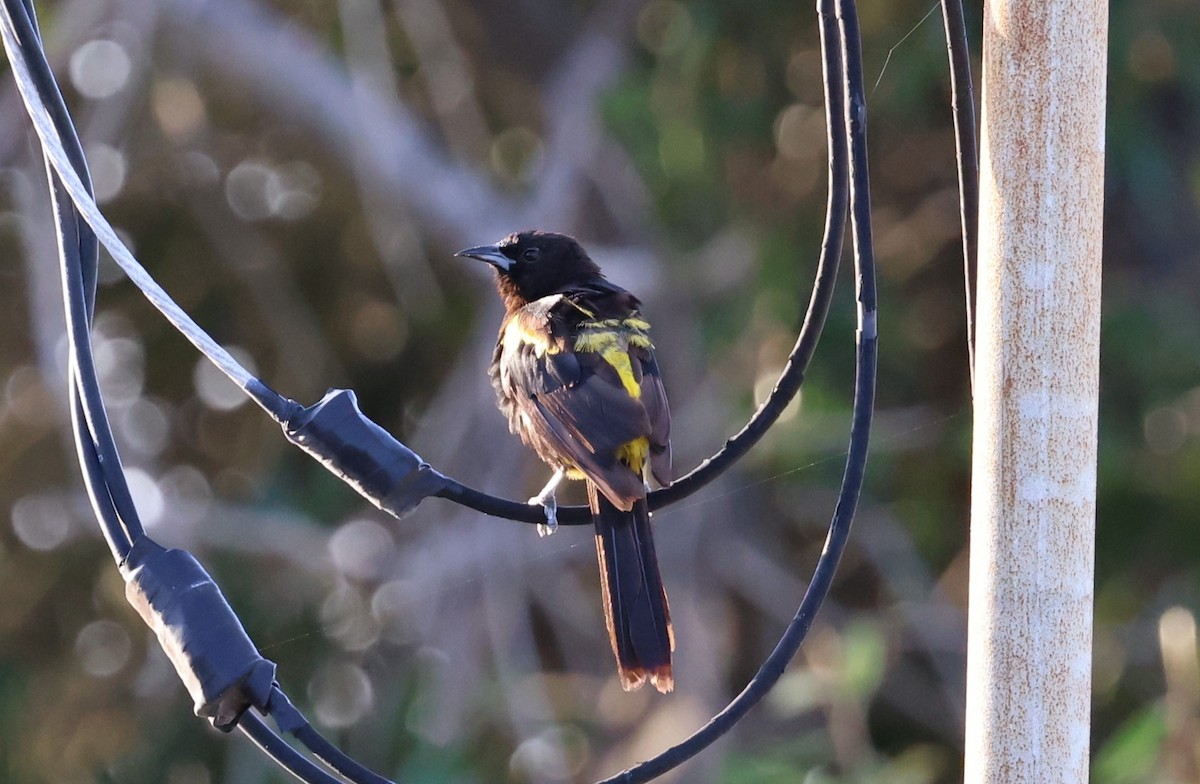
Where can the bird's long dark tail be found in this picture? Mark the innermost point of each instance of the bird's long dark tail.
(635, 604)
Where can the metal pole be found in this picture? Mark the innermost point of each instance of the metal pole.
(1034, 466)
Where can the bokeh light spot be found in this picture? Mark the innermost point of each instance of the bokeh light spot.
(103, 648)
(346, 619)
(341, 694)
(664, 27)
(187, 492)
(120, 364)
(41, 522)
(392, 605)
(361, 549)
(1165, 429)
(377, 331)
(214, 388)
(246, 190)
(1152, 57)
(256, 190)
(107, 165)
(516, 155)
(177, 107)
(99, 69)
(144, 427)
(147, 496)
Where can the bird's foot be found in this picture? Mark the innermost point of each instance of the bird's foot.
(549, 505)
(545, 499)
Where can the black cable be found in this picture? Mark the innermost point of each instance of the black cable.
(966, 149)
(93, 482)
(335, 758)
(97, 452)
(854, 127)
(289, 719)
(275, 404)
(284, 755)
(88, 414)
(79, 252)
(43, 105)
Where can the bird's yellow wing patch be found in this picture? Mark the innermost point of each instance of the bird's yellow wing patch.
(611, 339)
(634, 453)
(619, 359)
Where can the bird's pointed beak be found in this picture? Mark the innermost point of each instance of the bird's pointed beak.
(489, 253)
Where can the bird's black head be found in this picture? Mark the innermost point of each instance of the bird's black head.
(534, 264)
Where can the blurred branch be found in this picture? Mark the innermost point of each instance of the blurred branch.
(48, 326)
(1181, 702)
(574, 136)
(294, 77)
(936, 626)
(400, 167)
(302, 347)
(372, 75)
(446, 73)
(622, 189)
(215, 526)
(378, 135)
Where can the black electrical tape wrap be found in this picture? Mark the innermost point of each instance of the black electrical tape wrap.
(200, 632)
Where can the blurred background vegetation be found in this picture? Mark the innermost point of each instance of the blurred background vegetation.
(297, 175)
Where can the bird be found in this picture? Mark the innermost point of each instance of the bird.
(575, 374)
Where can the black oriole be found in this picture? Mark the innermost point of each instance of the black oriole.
(575, 373)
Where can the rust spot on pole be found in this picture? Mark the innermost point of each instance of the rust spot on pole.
(1034, 455)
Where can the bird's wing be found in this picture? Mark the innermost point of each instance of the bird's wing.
(654, 400)
(578, 408)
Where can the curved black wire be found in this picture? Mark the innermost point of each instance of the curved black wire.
(289, 719)
(39, 91)
(846, 36)
(79, 252)
(962, 104)
(335, 758)
(99, 460)
(254, 728)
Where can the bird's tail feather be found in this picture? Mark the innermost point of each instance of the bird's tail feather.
(635, 604)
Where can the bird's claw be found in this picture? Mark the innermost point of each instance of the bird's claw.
(550, 507)
(546, 500)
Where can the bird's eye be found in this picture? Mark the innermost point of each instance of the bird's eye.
(531, 254)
